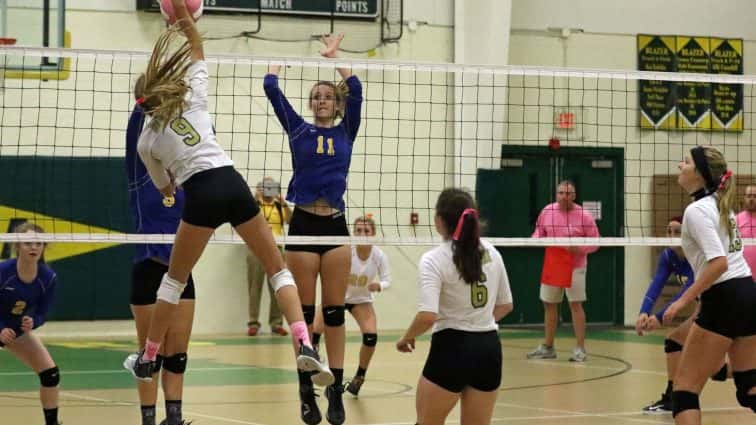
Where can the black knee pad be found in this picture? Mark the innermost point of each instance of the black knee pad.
(721, 374)
(369, 340)
(158, 363)
(50, 378)
(744, 381)
(309, 314)
(684, 400)
(672, 346)
(175, 363)
(333, 315)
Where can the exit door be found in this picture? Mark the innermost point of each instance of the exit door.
(511, 198)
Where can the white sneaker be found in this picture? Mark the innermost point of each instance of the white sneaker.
(578, 355)
(309, 361)
(542, 352)
(140, 371)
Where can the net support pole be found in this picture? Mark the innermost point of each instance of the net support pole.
(481, 37)
(3, 17)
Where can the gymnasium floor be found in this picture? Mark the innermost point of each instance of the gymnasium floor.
(240, 380)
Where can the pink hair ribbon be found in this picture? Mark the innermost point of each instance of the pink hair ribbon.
(461, 220)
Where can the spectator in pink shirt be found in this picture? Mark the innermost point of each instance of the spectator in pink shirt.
(747, 226)
(565, 218)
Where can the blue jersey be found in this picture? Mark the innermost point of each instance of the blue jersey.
(145, 201)
(669, 263)
(19, 299)
(320, 156)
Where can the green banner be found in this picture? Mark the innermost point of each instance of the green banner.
(74, 195)
(726, 99)
(690, 105)
(657, 98)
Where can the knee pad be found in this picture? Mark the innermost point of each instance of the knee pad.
(309, 313)
(281, 279)
(175, 363)
(721, 375)
(158, 363)
(333, 315)
(369, 340)
(684, 400)
(170, 290)
(672, 346)
(744, 381)
(50, 378)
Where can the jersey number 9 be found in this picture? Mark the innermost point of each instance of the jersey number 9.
(188, 134)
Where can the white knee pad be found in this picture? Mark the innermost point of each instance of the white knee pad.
(281, 279)
(170, 290)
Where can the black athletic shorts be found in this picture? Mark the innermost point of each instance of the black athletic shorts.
(217, 196)
(729, 308)
(304, 223)
(458, 359)
(146, 276)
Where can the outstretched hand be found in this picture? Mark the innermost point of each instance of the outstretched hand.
(331, 44)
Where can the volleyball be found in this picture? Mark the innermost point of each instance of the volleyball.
(194, 6)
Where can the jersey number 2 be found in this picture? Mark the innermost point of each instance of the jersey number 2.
(183, 128)
(18, 309)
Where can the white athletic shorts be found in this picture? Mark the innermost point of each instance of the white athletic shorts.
(575, 293)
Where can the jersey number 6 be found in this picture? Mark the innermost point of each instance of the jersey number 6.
(479, 293)
(188, 134)
(736, 244)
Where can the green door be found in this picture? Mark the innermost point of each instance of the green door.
(511, 198)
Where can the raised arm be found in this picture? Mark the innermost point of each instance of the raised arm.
(289, 119)
(186, 23)
(331, 49)
(134, 167)
(353, 105)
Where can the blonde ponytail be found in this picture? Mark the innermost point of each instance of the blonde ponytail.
(162, 87)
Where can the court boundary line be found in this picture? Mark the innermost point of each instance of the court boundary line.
(187, 412)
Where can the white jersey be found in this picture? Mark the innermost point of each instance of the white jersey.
(188, 144)
(703, 239)
(459, 305)
(374, 269)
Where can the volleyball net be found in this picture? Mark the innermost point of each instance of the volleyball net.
(507, 134)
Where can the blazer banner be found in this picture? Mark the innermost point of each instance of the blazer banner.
(690, 105)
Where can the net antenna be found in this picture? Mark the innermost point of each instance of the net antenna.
(4, 41)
